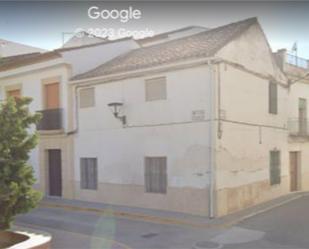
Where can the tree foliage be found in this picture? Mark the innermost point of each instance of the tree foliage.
(17, 139)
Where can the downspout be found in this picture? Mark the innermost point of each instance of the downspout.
(75, 111)
(212, 140)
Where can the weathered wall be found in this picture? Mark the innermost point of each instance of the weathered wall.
(251, 50)
(157, 128)
(299, 143)
(249, 132)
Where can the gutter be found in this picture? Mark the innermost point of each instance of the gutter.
(212, 141)
(138, 73)
(84, 83)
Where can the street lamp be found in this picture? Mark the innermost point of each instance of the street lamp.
(115, 108)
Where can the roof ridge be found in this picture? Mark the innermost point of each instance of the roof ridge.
(107, 41)
(249, 21)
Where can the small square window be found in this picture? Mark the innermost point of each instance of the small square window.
(155, 89)
(86, 98)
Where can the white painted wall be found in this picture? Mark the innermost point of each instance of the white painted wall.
(251, 50)
(249, 132)
(9, 48)
(157, 128)
(85, 59)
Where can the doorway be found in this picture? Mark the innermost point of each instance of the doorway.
(295, 170)
(54, 172)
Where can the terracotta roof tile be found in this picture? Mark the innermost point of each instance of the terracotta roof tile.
(11, 62)
(199, 45)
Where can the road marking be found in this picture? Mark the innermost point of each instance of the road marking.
(24, 225)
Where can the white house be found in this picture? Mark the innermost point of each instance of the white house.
(196, 124)
(194, 121)
(9, 48)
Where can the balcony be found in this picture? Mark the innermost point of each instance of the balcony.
(297, 61)
(51, 120)
(298, 127)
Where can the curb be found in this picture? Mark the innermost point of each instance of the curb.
(263, 210)
(171, 221)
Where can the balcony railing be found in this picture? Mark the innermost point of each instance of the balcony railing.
(297, 61)
(51, 120)
(298, 127)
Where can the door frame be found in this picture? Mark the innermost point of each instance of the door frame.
(297, 175)
(48, 183)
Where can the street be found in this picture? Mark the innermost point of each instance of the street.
(282, 227)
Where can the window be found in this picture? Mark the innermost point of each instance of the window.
(89, 173)
(155, 89)
(52, 99)
(275, 167)
(273, 98)
(16, 93)
(86, 97)
(155, 175)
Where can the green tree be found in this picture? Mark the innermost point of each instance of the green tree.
(17, 139)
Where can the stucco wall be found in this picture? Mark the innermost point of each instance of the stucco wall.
(249, 133)
(301, 143)
(31, 85)
(157, 128)
(9, 48)
(251, 50)
(85, 59)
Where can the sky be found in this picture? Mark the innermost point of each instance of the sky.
(46, 24)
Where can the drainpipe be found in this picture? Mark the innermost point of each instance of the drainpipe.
(212, 140)
(75, 111)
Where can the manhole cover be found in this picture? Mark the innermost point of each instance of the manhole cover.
(207, 245)
(149, 235)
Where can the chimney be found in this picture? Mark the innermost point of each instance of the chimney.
(280, 56)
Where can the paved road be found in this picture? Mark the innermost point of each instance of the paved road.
(286, 227)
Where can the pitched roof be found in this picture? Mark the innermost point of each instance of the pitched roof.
(166, 34)
(16, 61)
(199, 45)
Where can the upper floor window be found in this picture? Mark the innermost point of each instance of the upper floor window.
(273, 98)
(155, 89)
(86, 97)
(52, 96)
(15, 93)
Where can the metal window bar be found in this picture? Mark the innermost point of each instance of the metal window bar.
(297, 61)
(298, 127)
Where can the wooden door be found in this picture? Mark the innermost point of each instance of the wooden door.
(54, 169)
(52, 100)
(294, 168)
(14, 93)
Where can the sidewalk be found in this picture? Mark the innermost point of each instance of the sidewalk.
(168, 217)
